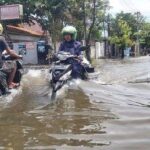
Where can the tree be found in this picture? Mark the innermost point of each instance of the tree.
(122, 36)
(87, 16)
(135, 21)
(51, 15)
(145, 35)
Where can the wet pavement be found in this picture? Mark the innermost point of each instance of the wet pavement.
(108, 113)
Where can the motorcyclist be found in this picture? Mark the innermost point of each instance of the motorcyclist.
(11, 68)
(69, 44)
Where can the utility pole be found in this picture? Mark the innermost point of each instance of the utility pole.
(104, 30)
(108, 30)
(137, 48)
(84, 22)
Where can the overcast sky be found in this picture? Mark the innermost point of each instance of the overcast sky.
(131, 6)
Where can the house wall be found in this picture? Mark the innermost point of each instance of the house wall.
(30, 49)
(23, 38)
(97, 50)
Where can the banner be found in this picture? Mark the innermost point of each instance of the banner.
(10, 12)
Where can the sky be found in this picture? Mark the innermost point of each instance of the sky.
(131, 6)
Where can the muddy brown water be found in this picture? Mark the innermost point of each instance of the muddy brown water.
(104, 114)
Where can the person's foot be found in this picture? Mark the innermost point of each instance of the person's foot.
(13, 85)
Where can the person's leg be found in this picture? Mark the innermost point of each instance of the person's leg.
(74, 71)
(12, 76)
(77, 70)
(3, 83)
(10, 68)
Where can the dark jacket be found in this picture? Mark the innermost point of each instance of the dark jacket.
(3, 46)
(73, 47)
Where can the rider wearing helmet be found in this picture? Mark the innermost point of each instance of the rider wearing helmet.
(72, 46)
(69, 43)
(11, 69)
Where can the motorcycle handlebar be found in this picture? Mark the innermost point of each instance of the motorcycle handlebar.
(8, 57)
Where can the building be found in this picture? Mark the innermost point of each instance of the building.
(25, 40)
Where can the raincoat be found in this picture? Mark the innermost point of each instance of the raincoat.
(73, 47)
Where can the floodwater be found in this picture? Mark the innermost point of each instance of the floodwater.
(108, 113)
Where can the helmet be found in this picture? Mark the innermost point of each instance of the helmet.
(1, 29)
(70, 30)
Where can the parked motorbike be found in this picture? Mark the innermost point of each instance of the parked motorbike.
(62, 70)
(4, 76)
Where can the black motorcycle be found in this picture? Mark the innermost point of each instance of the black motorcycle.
(4, 76)
(61, 70)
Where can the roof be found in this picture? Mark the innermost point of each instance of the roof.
(24, 30)
(34, 26)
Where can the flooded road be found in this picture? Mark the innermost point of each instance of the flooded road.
(109, 113)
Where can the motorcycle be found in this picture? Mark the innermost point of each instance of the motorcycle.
(62, 70)
(4, 76)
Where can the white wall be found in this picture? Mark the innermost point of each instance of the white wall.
(99, 48)
(31, 49)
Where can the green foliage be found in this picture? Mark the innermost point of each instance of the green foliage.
(145, 35)
(122, 38)
(133, 20)
(87, 16)
(134, 28)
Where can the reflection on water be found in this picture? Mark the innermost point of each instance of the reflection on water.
(72, 122)
(95, 116)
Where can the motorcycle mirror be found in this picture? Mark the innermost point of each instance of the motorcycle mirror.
(83, 48)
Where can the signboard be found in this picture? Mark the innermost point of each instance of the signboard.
(10, 12)
(22, 50)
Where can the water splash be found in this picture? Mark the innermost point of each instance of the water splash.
(9, 98)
